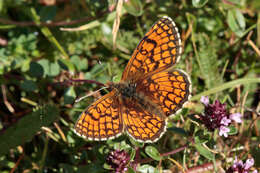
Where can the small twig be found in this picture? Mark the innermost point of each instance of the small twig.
(17, 163)
(6, 102)
(175, 151)
(178, 165)
(60, 132)
(44, 154)
(252, 44)
(137, 154)
(28, 101)
(165, 154)
(90, 94)
(117, 22)
(50, 24)
(205, 167)
(227, 2)
(70, 81)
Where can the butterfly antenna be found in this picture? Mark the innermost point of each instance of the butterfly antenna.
(90, 94)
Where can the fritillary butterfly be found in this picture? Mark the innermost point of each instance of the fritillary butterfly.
(148, 93)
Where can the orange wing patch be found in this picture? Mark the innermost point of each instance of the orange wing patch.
(157, 51)
(101, 120)
(170, 90)
(142, 125)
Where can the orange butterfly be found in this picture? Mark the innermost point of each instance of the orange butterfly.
(148, 93)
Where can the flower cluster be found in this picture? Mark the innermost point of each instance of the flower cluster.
(240, 167)
(216, 116)
(118, 160)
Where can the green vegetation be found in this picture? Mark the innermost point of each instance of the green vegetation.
(45, 45)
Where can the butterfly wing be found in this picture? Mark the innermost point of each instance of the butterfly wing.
(169, 89)
(101, 120)
(158, 50)
(141, 125)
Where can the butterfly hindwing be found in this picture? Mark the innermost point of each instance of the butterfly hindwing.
(169, 89)
(142, 125)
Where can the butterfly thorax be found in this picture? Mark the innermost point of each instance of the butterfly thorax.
(126, 90)
(133, 98)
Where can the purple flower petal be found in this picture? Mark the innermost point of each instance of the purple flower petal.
(204, 100)
(236, 117)
(235, 161)
(255, 171)
(225, 121)
(223, 130)
(249, 163)
(239, 163)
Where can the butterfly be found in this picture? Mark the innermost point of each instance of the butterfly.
(147, 95)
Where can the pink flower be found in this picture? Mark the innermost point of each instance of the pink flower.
(236, 117)
(204, 100)
(249, 163)
(216, 116)
(240, 167)
(223, 130)
(213, 114)
(225, 121)
(118, 160)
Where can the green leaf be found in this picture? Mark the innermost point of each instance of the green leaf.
(236, 22)
(26, 65)
(98, 68)
(199, 3)
(66, 64)
(153, 153)
(177, 130)
(134, 7)
(192, 20)
(200, 137)
(207, 56)
(54, 69)
(93, 168)
(204, 151)
(226, 85)
(48, 34)
(233, 130)
(107, 32)
(132, 154)
(36, 70)
(136, 143)
(80, 63)
(70, 95)
(24, 130)
(28, 85)
(147, 169)
(50, 68)
(130, 170)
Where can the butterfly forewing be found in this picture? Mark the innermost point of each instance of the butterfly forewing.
(158, 50)
(101, 120)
